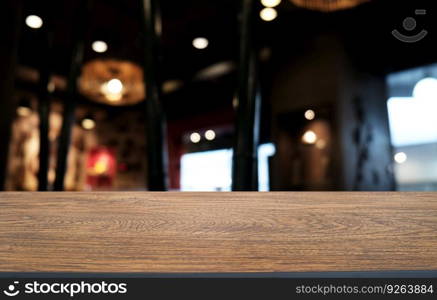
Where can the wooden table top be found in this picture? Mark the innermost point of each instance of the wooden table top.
(217, 232)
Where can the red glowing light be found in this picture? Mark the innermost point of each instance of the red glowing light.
(101, 167)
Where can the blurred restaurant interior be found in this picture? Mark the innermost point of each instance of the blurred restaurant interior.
(218, 95)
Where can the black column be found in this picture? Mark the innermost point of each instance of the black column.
(10, 26)
(70, 101)
(155, 119)
(44, 111)
(244, 168)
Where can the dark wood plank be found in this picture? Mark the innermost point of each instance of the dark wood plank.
(217, 232)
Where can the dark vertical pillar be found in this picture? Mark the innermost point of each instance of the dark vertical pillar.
(43, 112)
(155, 124)
(10, 26)
(244, 168)
(69, 104)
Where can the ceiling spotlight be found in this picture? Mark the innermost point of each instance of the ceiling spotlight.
(195, 137)
(310, 114)
(309, 137)
(24, 108)
(200, 43)
(210, 135)
(115, 86)
(400, 157)
(268, 14)
(88, 123)
(99, 46)
(113, 90)
(23, 111)
(270, 3)
(33, 21)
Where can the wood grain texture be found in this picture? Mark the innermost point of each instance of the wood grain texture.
(217, 232)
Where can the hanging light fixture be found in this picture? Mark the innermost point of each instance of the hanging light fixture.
(24, 108)
(328, 5)
(113, 82)
(88, 123)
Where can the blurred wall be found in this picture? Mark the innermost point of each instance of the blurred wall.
(324, 78)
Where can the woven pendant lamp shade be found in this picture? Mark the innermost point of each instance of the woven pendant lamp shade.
(328, 5)
(101, 77)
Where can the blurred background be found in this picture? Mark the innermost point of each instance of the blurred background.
(218, 95)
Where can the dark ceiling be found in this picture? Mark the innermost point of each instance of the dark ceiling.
(119, 24)
(365, 30)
